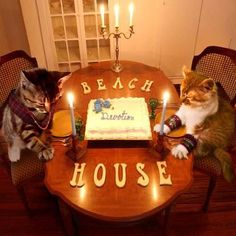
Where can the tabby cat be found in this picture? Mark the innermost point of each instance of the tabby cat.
(29, 110)
(209, 121)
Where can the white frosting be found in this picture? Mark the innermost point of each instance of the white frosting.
(126, 119)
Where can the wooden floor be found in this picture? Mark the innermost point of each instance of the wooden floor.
(186, 217)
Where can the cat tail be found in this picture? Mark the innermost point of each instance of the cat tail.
(226, 164)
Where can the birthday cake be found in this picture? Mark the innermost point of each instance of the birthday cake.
(118, 119)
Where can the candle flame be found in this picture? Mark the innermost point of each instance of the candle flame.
(131, 7)
(102, 9)
(166, 96)
(70, 98)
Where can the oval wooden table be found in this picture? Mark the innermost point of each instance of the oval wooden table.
(110, 203)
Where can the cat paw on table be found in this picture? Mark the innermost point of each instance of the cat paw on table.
(180, 152)
(46, 154)
(157, 128)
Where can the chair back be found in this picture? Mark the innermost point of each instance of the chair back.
(11, 65)
(220, 64)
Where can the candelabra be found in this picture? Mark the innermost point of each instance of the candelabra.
(117, 67)
(75, 151)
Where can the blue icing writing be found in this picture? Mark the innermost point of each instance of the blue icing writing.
(123, 116)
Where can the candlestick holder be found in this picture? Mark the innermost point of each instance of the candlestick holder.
(116, 67)
(160, 146)
(76, 151)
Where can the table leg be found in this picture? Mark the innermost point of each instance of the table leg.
(166, 219)
(67, 218)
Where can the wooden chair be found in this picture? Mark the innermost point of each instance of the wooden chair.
(29, 166)
(220, 64)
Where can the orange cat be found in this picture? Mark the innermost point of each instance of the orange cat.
(209, 121)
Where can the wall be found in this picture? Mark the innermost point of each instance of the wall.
(168, 33)
(217, 24)
(144, 45)
(12, 30)
(31, 20)
(179, 23)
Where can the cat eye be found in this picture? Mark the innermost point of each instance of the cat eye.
(207, 88)
(29, 100)
(204, 88)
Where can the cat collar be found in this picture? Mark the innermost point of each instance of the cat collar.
(27, 116)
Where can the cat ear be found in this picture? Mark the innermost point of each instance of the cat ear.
(63, 79)
(207, 84)
(24, 82)
(31, 75)
(185, 71)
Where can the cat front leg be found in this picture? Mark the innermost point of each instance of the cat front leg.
(170, 124)
(14, 153)
(182, 150)
(34, 143)
(157, 128)
(187, 144)
(15, 145)
(46, 154)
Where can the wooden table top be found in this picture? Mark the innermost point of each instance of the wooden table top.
(135, 74)
(110, 202)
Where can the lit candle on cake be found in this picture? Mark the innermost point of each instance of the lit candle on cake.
(131, 13)
(165, 99)
(70, 98)
(102, 11)
(116, 9)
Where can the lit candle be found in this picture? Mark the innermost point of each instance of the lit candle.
(116, 9)
(102, 11)
(131, 13)
(70, 98)
(165, 99)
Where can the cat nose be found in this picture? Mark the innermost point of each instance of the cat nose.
(183, 98)
(41, 100)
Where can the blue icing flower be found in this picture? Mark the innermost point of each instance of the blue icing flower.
(98, 105)
(106, 104)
